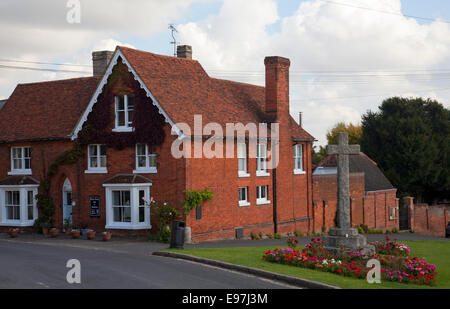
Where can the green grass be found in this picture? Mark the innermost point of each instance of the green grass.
(436, 252)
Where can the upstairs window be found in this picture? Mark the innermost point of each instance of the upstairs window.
(242, 160)
(145, 159)
(261, 160)
(20, 160)
(96, 159)
(298, 159)
(124, 107)
(243, 196)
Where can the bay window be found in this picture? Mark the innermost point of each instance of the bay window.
(18, 205)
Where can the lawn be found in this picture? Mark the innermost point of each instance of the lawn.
(435, 251)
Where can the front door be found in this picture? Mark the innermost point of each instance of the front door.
(67, 202)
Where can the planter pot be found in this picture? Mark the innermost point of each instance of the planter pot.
(68, 231)
(45, 230)
(106, 236)
(54, 232)
(90, 234)
(76, 234)
(13, 233)
(84, 231)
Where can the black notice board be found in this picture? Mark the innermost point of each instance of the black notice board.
(95, 205)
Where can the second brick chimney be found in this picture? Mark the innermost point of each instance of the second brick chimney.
(100, 61)
(277, 85)
(184, 51)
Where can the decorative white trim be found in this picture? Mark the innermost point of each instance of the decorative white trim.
(244, 203)
(151, 170)
(123, 129)
(299, 172)
(127, 185)
(262, 201)
(96, 171)
(118, 53)
(117, 226)
(262, 173)
(18, 186)
(243, 174)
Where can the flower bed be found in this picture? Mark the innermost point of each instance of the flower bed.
(398, 267)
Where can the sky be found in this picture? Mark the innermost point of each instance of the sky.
(347, 56)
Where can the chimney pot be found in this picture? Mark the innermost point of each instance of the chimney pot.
(100, 61)
(184, 51)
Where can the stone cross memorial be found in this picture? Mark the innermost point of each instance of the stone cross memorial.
(344, 237)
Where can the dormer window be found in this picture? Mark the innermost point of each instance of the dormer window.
(124, 108)
(20, 161)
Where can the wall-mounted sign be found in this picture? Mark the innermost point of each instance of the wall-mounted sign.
(95, 205)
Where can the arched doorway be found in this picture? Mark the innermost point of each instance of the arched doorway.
(67, 201)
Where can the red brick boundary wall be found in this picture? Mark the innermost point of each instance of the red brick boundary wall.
(426, 219)
(377, 209)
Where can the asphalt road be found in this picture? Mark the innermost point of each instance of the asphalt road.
(29, 265)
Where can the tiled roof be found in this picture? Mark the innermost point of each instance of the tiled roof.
(18, 181)
(374, 178)
(45, 110)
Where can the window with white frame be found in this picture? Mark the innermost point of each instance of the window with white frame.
(242, 160)
(145, 159)
(125, 206)
(17, 205)
(261, 160)
(20, 161)
(298, 159)
(96, 159)
(262, 193)
(124, 109)
(243, 196)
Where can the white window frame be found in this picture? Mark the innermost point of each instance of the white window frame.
(243, 202)
(242, 155)
(147, 169)
(128, 127)
(134, 202)
(24, 221)
(262, 200)
(23, 170)
(261, 160)
(298, 157)
(98, 169)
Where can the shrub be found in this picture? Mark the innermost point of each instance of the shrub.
(292, 243)
(253, 236)
(276, 236)
(360, 230)
(324, 229)
(270, 236)
(260, 234)
(298, 233)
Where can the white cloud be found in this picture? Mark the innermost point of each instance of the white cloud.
(325, 36)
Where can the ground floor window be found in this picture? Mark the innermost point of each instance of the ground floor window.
(18, 205)
(262, 193)
(126, 207)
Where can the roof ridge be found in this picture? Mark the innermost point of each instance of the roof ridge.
(61, 80)
(155, 54)
(235, 82)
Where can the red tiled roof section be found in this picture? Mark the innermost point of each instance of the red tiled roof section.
(184, 89)
(45, 110)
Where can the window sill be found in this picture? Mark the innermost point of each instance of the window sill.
(129, 227)
(241, 174)
(151, 170)
(262, 202)
(96, 171)
(123, 129)
(20, 172)
(17, 223)
(244, 204)
(262, 174)
(299, 172)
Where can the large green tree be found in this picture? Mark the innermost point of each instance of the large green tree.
(410, 141)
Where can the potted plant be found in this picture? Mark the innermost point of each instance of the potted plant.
(90, 234)
(84, 228)
(13, 232)
(54, 232)
(67, 226)
(106, 235)
(76, 233)
(45, 227)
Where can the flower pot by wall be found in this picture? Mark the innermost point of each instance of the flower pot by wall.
(90, 234)
(106, 236)
(76, 234)
(13, 233)
(54, 232)
(68, 231)
(45, 230)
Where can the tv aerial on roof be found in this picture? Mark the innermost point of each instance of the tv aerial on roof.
(174, 42)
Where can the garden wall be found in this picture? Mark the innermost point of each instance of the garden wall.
(426, 219)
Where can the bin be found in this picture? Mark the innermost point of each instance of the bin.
(177, 234)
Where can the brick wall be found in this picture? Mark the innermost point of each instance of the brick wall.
(426, 219)
(370, 208)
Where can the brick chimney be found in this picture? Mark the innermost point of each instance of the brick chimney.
(184, 51)
(277, 85)
(100, 61)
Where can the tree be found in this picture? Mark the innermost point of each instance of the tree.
(410, 141)
(354, 133)
(318, 156)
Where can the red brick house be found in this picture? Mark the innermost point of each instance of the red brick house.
(96, 145)
(373, 199)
